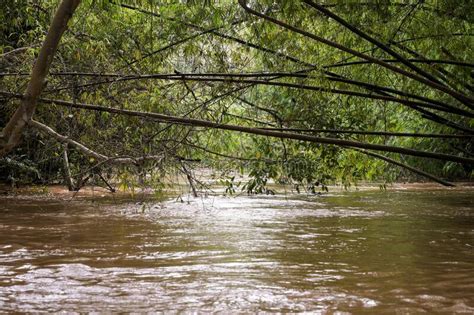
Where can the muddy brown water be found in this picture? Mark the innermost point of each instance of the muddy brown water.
(356, 252)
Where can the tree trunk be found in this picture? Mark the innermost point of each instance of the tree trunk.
(67, 169)
(11, 134)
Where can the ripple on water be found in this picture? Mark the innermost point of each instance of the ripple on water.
(255, 208)
(250, 254)
(63, 287)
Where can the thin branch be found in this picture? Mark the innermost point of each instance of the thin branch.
(372, 40)
(271, 112)
(11, 133)
(229, 78)
(190, 179)
(408, 167)
(181, 41)
(273, 75)
(466, 100)
(428, 61)
(221, 35)
(376, 133)
(87, 151)
(268, 133)
(226, 155)
(442, 73)
(17, 50)
(63, 139)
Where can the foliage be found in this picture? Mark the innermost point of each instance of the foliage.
(130, 38)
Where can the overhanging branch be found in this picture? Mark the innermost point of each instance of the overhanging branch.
(262, 132)
(11, 134)
(87, 151)
(466, 100)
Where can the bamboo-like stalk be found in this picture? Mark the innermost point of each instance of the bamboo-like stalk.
(11, 133)
(262, 132)
(466, 100)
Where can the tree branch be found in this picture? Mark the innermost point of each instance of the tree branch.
(466, 100)
(372, 40)
(87, 151)
(377, 133)
(408, 167)
(11, 134)
(262, 132)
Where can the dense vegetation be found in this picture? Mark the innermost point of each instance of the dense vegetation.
(294, 91)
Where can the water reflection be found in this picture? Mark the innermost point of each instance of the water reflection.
(353, 252)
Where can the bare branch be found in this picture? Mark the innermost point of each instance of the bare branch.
(87, 151)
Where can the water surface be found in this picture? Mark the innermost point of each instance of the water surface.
(356, 252)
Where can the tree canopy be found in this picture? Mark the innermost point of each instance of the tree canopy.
(302, 92)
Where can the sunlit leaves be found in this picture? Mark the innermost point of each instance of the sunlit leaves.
(142, 37)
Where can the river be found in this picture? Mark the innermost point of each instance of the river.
(403, 251)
